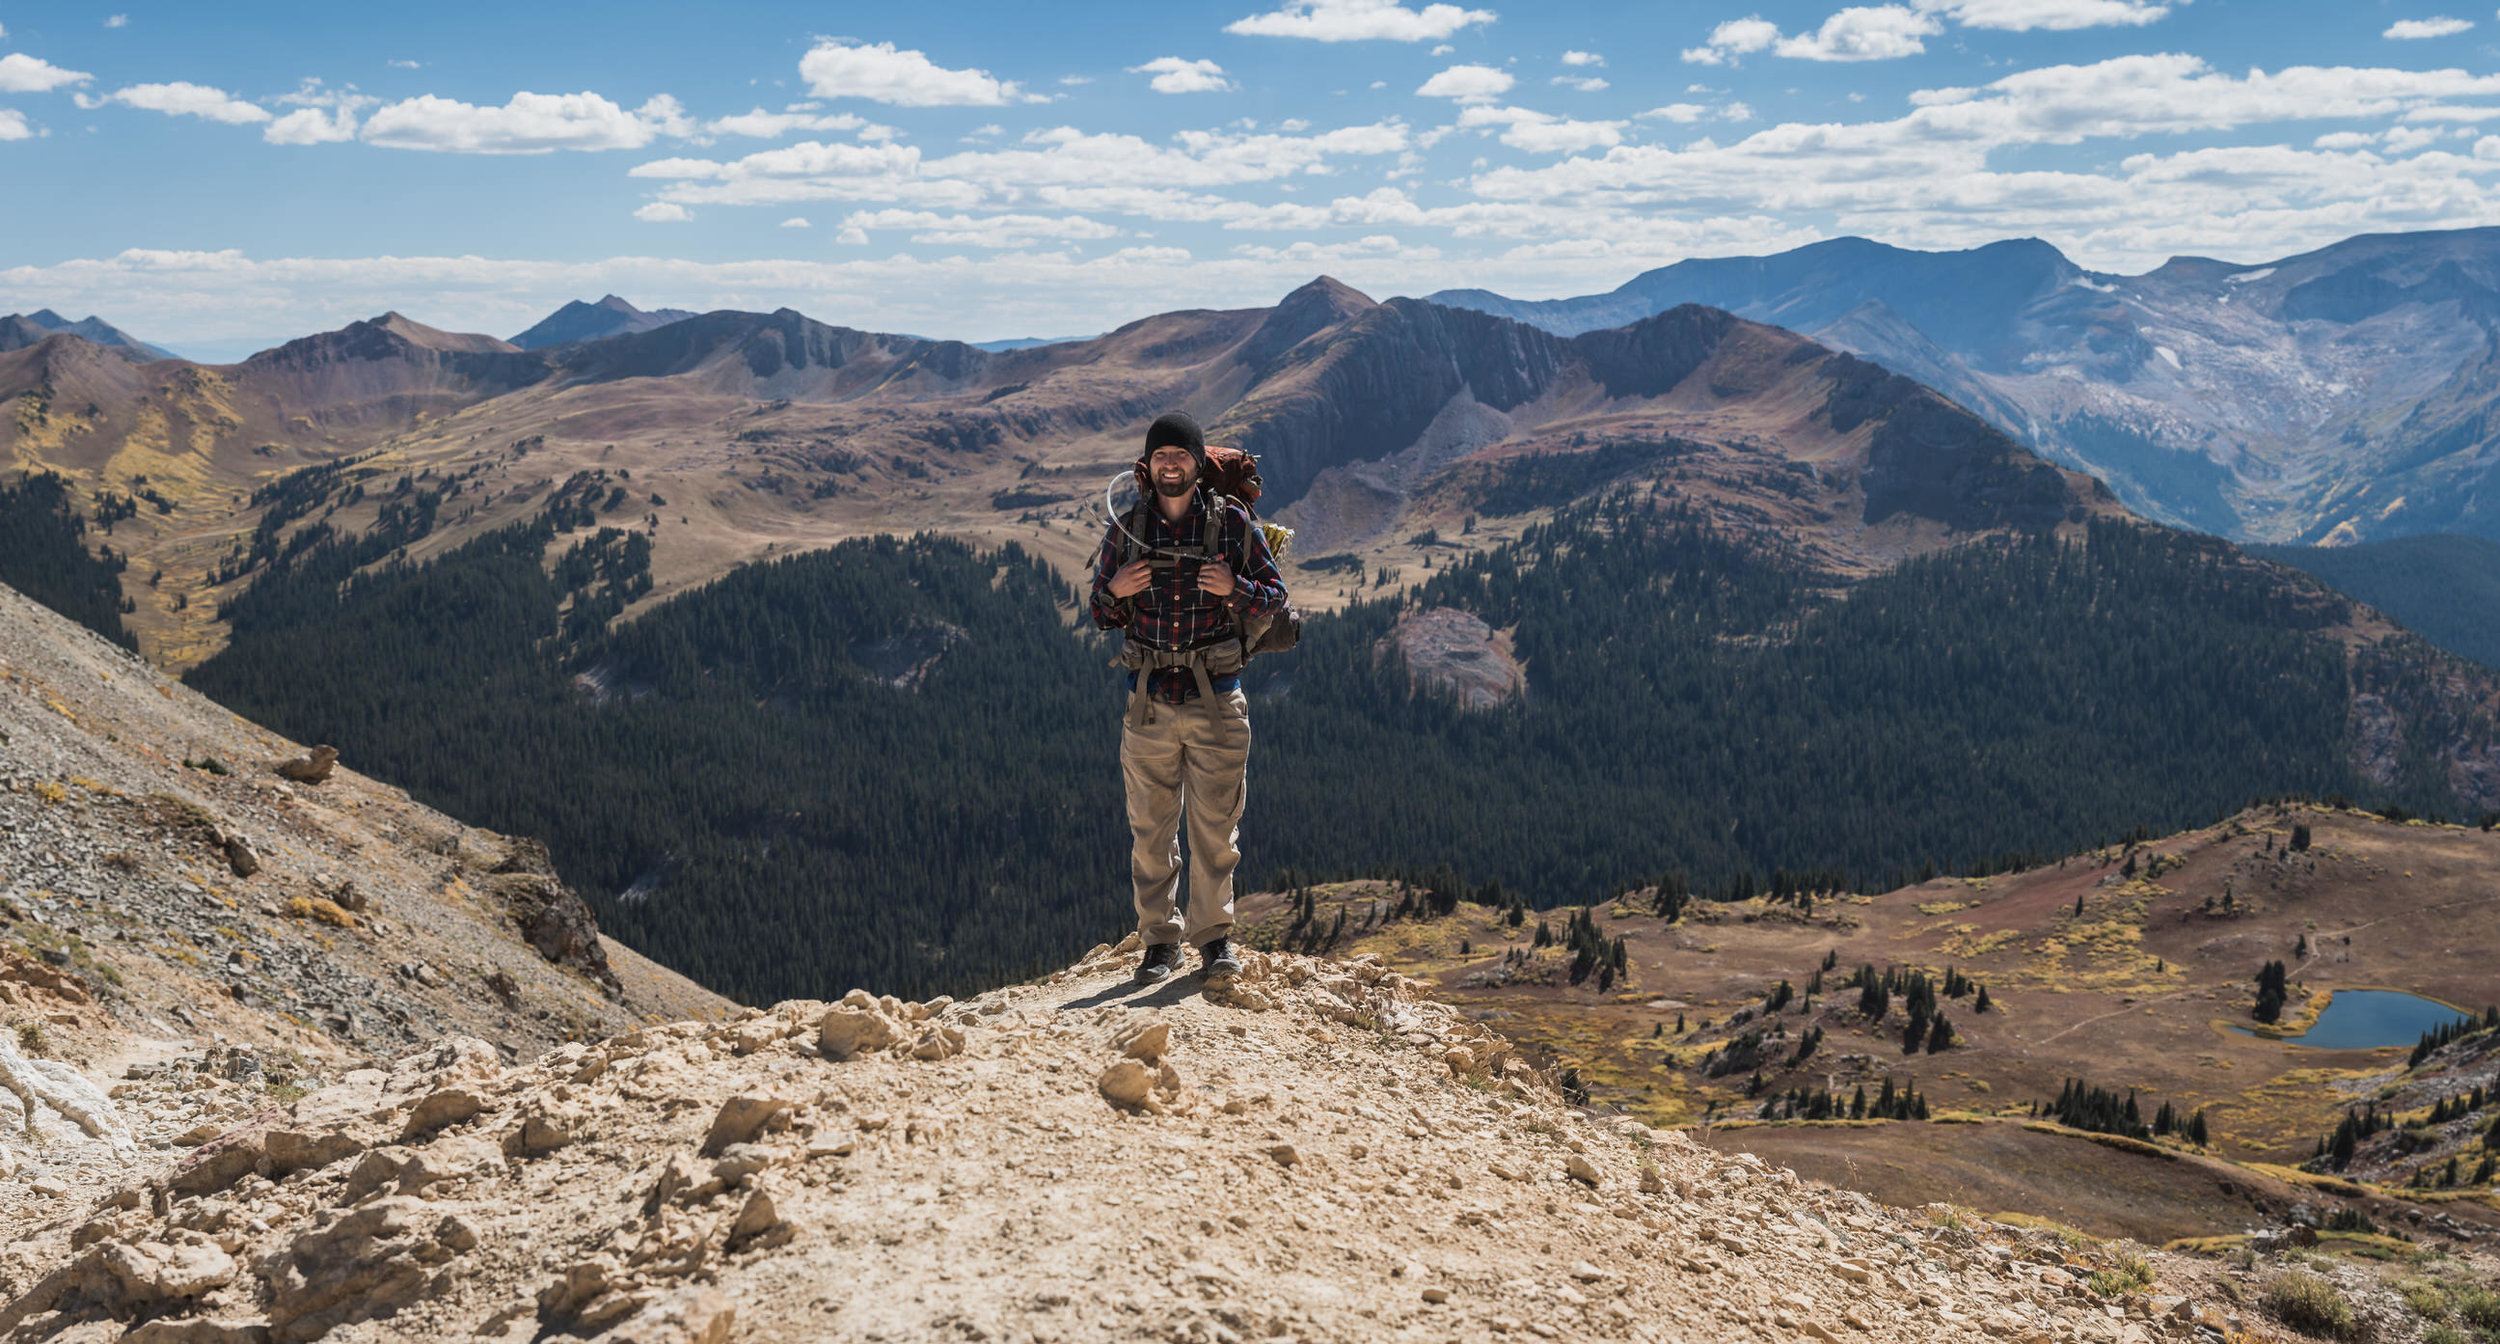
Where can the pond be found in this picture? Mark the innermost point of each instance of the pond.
(2367, 1019)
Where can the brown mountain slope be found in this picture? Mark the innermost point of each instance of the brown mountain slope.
(2131, 968)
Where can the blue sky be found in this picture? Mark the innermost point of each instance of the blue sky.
(214, 178)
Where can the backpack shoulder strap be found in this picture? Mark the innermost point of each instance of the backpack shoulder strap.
(1216, 504)
(1133, 532)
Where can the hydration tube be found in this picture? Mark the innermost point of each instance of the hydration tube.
(1119, 519)
(1278, 537)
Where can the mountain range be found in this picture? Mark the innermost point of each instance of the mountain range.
(19, 330)
(766, 430)
(2341, 395)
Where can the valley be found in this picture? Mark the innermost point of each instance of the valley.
(2131, 967)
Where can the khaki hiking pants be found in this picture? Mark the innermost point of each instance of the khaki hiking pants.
(1193, 758)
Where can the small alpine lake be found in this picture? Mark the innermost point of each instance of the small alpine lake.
(2371, 1019)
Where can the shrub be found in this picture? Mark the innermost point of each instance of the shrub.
(2129, 1273)
(30, 1039)
(2481, 1309)
(2428, 1300)
(2309, 1303)
(319, 908)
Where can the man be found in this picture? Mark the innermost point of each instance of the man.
(1185, 740)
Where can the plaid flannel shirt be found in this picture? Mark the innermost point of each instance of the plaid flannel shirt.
(1174, 612)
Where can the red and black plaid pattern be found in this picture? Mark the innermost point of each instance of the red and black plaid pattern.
(1173, 612)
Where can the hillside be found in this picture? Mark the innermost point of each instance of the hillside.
(1321, 1154)
(2342, 395)
(2131, 968)
(165, 892)
(2445, 587)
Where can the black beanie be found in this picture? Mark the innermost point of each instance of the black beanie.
(1176, 430)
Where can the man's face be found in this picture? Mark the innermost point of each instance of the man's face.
(1173, 471)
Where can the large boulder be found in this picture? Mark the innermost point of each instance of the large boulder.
(551, 918)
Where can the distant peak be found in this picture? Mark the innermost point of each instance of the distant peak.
(615, 304)
(45, 317)
(1335, 293)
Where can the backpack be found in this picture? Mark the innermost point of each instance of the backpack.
(1231, 477)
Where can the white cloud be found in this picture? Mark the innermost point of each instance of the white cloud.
(990, 231)
(1590, 84)
(1858, 33)
(1680, 113)
(117, 21)
(530, 123)
(852, 237)
(1468, 84)
(1863, 33)
(762, 125)
(1582, 58)
(1172, 74)
(2022, 16)
(1540, 133)
(796, 222)
(312, 126)
(1366, 248)
(397, 64)
(2415, 30)
(1441, 49)
(2443, 112)
(13, 125)
(1736, 37)
(181, 99)
(324, 115)
(21, 73)
(904, 78)
(1044, 167)
(2406, 139)
(1359, 21)
(663, 212)
(1073, 80)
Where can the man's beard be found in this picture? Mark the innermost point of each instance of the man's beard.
(1174, 489)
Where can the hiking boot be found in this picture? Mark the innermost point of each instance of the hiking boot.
(1161, 960)
(1216, 962)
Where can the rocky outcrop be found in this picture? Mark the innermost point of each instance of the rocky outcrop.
(312, 768)
(550, 917)
(1454, 653)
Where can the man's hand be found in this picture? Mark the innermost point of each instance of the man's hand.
(1214, 576)
(1132, 578)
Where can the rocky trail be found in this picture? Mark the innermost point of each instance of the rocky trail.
(1316, 1153)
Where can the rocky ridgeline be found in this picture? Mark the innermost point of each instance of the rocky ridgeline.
(1316, 1154)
